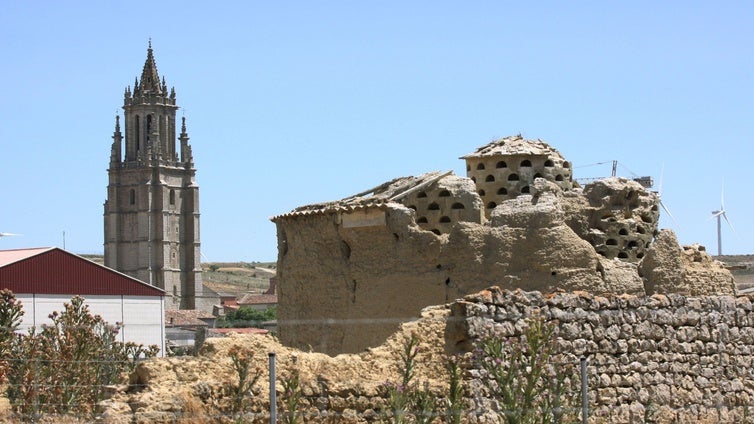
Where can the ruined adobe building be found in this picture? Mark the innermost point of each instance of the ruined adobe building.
(349, 271)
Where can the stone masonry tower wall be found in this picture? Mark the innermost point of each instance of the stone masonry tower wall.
(152, 210)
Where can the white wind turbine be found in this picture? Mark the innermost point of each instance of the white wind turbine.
(659, 197)
(721, 213)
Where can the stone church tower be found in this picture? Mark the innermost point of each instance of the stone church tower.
(152, 208)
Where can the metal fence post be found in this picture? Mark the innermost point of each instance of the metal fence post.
(273, 393)
(584, 400)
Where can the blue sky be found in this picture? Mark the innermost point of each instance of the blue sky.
(290, 103)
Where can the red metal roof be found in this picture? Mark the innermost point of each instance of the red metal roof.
(55, 271)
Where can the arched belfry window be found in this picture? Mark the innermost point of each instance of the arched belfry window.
(132, 197)
(149, 126)
(172, 196)
(138, 132)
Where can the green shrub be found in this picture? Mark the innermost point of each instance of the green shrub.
(245, 317)
(64, 367)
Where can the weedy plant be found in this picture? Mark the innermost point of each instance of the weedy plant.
(522, 377)
(454, 403)
(406, 399)
(242, 359)
(292, 394)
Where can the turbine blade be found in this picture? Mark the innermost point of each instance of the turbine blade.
(667, 211)
(722, 196)
(728, 221)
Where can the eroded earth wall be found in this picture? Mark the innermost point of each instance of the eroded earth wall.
(659, 358)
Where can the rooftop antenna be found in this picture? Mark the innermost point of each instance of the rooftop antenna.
(721, 213)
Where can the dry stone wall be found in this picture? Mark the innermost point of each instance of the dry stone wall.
(659, 358)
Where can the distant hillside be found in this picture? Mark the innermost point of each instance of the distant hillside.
(237, 278)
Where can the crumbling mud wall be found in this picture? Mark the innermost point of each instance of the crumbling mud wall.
(349, 276)
(349, 271)
(660, 358)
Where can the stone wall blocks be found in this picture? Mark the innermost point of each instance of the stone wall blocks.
(613, 332)
(558, 314)
(604, 380)
(506, 329)
(610, 317)
(647, 346)
(597, 333)
(570, 330)
(607, 346)
(693, 317)
(580, 347)
(629, 316)
(744, 303)
(662, 301)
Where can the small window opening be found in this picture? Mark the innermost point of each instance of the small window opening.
(558, 177)
(444, 219)
(433, 206)
(172, 197)
(513, 177)
(421, 194)
(640, 229)
(502, 190)
(525, 190)
(611, 242)
(639, 255)
(491, 205)
(501, 164)
(526, 163)
(549, 163)
(444, 193)
(632, 244)
(468, 167)
(473, 179)
(566, 165)
(422, 220)
(537, 175)
(490, 178)
(132, 197)
(482, 192)
(412, 207)
(436, 231)
(458, 205)
(623, 232)
(622, 255)
(480, 166)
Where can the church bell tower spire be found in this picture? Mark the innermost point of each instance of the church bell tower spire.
(152, 207)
